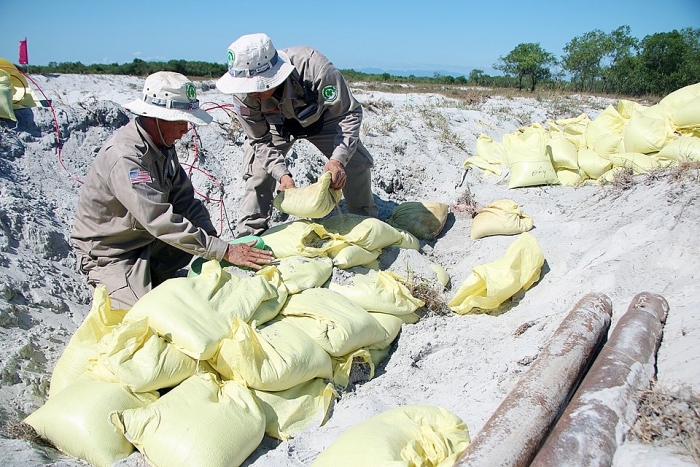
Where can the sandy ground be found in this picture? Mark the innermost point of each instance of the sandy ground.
(595, 239)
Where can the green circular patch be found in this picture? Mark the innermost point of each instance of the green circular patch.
(330, 93)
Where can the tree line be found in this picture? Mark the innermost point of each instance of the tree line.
(595, 62)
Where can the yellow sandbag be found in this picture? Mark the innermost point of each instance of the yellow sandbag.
(563, 153)
(345, 365)
(502, 217)
(684, 148)
(424, 219)
(6, 110)
(134, 355)
(82, 347)
(592, 163)
(571, 177)
(639, 163)
(379, 291)
(490, 150)
(333, 321)
(482, 164)
(679, 98)
(76, 420)
(442, 276)
(269, 309)
(493, 283)
(275, 357)
(368, 232)
(201, 422)
(575, 125)
(688, 116)
(195, 313)
(609, 144)
(647, 134)
(314, 201)
(608, 122)
(299, 238)
(625, 108)
(300, 273)
(289, 412)
(347, 256)
(411, 436)
(528, 161)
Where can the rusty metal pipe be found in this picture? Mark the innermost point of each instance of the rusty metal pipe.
(516, 429)
(605, 405)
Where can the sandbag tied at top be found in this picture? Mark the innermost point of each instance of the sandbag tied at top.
(368, 232)
(414, 435)
(379, 291)
(300, 238)
(314, 201)
(502, 217)
(493, 283)
(201, 422)
(424, 219)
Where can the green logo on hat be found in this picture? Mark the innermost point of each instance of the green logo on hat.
(230, 58)
(330, 93)
(191, 91)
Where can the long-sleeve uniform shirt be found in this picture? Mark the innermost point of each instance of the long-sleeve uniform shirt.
(133, 194)
(314, 82)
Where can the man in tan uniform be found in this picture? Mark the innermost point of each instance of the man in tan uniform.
(281, 96)
(137, 221)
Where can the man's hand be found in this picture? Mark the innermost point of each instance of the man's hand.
(243, 254)
(338, 177)
(286, 182)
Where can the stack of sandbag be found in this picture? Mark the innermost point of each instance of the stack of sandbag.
(201, 367)
(574, 150)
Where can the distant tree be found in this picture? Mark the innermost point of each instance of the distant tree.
(529, 61)
(670, 60)
(461, 80)
(583, 58)
(622, 75)
(476, 76)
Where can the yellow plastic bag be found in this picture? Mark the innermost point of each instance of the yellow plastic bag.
(571, 177)
(502, 217)
(347, 255)
(6, 110)
(392, 324)
(195, 313)
(366, 232)
(493, 283)
(379, 291)
(424, 219)
(685, 148)
(82, 347)
(647, 134)
(134, 355)
(289, 412)
(314, 201)
(200, 422)
(333, 321)
(276, 357)
(299, 238)
(639, 163)
(300, 273)
(563, 153)
(608, 123)
(529, 163)
(76, 420)
(414, 435)
(592, 163)
(688, 116)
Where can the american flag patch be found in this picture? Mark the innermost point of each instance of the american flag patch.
(140, 176)
(241, 110)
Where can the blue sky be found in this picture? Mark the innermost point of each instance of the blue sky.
(445, 35)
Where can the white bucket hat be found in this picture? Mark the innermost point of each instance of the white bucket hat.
(169, 96)
(254, 66)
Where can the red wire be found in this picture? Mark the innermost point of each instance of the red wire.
(191, 167)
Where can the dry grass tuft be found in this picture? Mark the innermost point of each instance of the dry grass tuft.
(624, 179)
(425, 290)
(669, 418)
(685, 170)
(466, 203)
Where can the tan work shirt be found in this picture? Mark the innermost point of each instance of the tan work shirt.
(315, 80)
(134, 194)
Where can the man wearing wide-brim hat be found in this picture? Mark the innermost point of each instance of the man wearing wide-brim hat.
(137, 221)
(283, 95)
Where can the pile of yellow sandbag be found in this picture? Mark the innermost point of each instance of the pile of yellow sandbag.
(571, 151)
(201, 367)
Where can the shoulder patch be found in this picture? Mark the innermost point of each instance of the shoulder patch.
(330, 93)
(140, 176)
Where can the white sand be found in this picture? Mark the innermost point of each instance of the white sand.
(594, 239)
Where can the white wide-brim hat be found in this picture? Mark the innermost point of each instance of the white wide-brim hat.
(254, 65)
(169, 96)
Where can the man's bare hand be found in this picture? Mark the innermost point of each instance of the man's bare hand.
(338, 177)
(243, 254)
(286, 182)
